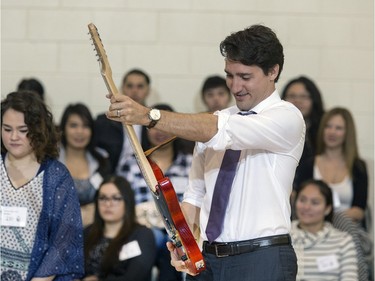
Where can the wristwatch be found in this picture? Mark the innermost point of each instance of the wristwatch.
(154, 116)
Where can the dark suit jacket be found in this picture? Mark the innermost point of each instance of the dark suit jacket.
(109, 135)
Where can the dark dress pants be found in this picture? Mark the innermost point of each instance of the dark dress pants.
(276, 263)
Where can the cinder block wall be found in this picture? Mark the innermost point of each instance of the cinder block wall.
(176, 42)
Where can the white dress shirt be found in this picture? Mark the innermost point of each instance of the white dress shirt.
(271, 142)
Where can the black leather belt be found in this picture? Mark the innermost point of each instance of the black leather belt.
(241, 247)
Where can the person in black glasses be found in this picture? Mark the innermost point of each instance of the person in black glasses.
(116, 247)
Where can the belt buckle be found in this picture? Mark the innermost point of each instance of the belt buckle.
(217, 252)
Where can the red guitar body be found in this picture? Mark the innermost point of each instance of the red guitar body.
(169, 207)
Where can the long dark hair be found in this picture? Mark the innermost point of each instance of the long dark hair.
(317, 108)
(84, 113)
(324, 189)
(111, 254)
(42, 132)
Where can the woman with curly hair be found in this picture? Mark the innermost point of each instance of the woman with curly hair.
(41, 228)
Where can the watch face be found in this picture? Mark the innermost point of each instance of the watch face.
(155, 114)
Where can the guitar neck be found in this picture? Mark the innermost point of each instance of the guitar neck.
(142, 161)
(163, 192)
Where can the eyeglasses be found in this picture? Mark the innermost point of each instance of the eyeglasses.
(115, 200)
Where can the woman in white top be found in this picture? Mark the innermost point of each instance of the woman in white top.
(337, 162)
(323, 252)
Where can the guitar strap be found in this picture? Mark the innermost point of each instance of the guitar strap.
(148, 152)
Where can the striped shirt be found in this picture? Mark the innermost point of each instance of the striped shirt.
(361, 239)
(327, 255)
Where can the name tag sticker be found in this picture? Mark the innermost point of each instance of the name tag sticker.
(327, 263)
(13, 216)
(130, 250)
(96, 180)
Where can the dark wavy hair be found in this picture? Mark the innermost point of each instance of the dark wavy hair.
(42, 132)
(111, 254)
(256, 45)
(324, 189)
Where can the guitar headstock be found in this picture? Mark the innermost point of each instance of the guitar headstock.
(105, 68)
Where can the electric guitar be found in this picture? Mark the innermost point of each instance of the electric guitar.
(160, 186)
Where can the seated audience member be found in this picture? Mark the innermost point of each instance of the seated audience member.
(363, 244)
(116, 246)
(305, 95)
(41, 228)
(337, 162)
(86, 163)
(110, 135)
(175, 164)
(215, 93)
(33, 85)
(323, 252)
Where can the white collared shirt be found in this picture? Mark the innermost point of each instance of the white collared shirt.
(271, 142)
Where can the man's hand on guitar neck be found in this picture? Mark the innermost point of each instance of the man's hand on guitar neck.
(194, 127)
(124, 109)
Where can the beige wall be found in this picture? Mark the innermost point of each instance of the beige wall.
(177, 43)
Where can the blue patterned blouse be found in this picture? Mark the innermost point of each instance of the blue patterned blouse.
(54, 246)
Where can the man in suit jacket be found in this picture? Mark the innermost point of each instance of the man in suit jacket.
(110, 135)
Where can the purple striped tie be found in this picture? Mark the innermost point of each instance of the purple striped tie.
(222, 190)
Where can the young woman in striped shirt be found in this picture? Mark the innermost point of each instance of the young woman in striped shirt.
(323, 252)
